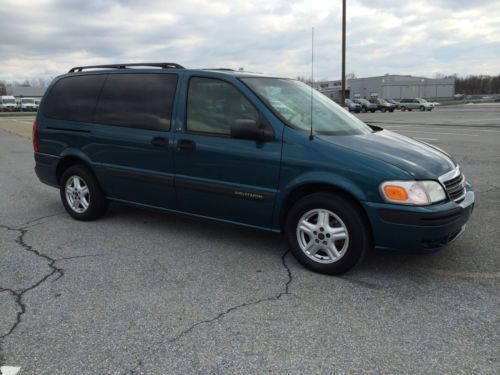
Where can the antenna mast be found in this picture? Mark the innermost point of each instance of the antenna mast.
(311, 137)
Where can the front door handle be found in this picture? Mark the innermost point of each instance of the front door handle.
(186, 145)
(159, 142)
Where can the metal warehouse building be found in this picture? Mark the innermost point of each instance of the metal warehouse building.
(402, 86)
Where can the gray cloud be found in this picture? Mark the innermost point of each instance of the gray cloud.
(420, 37)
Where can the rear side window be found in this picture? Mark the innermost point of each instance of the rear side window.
(73, 98)
(137, 100)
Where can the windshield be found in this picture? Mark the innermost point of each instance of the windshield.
(28, 101)
(298, 105)
(363, 101)
(422, 100)
(8, 101)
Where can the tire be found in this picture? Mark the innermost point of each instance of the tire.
(403, 108)
(372, 110)
(384, 110)
(80, 205)
(391, 110)
(409, 109)
(422, 108)
(341, 214)
(363, 109)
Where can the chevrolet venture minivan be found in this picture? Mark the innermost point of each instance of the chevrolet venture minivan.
(248, 149)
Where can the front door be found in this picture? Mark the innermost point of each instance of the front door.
(218, 176)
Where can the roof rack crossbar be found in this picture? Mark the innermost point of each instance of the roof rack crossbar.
(163, 65)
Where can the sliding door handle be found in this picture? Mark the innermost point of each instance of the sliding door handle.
(186, 145)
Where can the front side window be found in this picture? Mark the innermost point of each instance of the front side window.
(137, 100)
(214, 105)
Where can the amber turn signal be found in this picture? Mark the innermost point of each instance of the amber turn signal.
(396, 193)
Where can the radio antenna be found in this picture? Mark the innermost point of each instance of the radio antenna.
(311, 137)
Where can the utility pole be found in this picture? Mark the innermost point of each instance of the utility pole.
(343, 53)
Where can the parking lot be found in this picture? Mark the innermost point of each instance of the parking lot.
(141, 292)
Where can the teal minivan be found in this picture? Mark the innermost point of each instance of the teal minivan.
(248, 149)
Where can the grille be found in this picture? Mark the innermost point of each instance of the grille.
(455, 187)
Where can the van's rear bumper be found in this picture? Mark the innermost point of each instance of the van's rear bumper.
(45, 168)
(419, 229)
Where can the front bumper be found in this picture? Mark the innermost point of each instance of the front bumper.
(420, 229)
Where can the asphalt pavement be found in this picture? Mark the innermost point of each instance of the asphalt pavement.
(141, 292)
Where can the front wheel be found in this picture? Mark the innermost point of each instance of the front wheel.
(383, 110)
(403, 108)
(81, 195)
(327, 233)
(422, 108)
(363, 110)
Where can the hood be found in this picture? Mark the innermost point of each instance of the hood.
(420, 160)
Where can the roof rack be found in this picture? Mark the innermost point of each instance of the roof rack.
(164, 65)
(225, 69)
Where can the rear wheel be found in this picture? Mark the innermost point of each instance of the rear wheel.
(81, 195)
(327, 233)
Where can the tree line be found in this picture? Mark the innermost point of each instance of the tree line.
(477, 84)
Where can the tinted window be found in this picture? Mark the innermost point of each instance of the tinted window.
(137, 101)
(74, 98)
(213, 105)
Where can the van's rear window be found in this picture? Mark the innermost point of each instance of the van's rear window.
(73, 98)
(136, 100)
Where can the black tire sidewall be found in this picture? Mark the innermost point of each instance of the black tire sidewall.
(357, 227)
(97, 204)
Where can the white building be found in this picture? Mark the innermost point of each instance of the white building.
(393, 86)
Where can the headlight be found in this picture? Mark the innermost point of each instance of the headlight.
(412, 192)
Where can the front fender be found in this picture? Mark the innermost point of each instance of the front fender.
(314, 179)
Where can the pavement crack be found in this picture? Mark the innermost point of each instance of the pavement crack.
(285, 291)
(492, 188)
(19, 294)
(192, 327)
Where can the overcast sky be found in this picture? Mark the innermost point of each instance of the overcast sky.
(45, 38)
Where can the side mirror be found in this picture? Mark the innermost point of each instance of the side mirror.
(248, 129)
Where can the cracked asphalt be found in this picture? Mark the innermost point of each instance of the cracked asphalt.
(140, 292)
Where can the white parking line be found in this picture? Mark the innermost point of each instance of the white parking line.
(23, 121)
(9, 370)
(427, 139)
(428, 132)
(440, 127)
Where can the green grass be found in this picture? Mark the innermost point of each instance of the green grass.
(8, 114)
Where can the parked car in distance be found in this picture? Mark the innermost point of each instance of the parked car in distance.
(417, 103)
(395, 102)
(7, 103)
(27, 105)
(37, 103)
(251, 150)
(352, 106)
(366, 105)
(383, 105)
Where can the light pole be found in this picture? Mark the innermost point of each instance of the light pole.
(343, 53)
